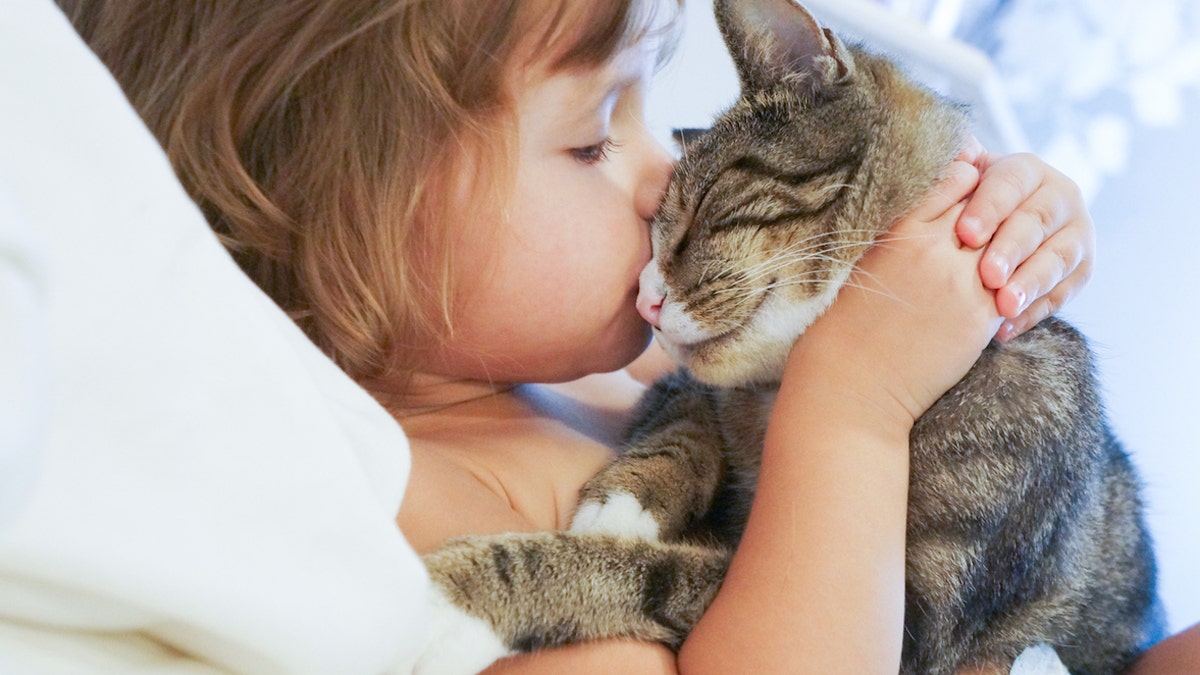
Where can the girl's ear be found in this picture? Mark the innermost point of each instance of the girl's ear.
(776, 41)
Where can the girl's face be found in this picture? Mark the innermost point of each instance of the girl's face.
(549, 289)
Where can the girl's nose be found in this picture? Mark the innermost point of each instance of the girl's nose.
(650, 294)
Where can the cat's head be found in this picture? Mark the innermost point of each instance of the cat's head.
(769, 209)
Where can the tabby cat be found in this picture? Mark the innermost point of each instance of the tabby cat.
(1024, 522)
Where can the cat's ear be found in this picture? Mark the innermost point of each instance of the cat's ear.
(686, 138)
(775, 41)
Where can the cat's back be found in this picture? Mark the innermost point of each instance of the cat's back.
(1017, 467)
(1041, 383)
(1026, 419)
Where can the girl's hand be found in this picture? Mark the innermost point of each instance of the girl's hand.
(1040, 241)
(914, 315)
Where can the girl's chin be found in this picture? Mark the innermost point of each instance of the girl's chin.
(640, 342)
(621, 349)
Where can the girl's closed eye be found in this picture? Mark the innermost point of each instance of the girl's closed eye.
(595, 153)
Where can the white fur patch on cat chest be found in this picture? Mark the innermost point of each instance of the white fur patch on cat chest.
(621, 514)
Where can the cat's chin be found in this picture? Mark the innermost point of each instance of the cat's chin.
(742, 357)
(733, 362)
(754, 353)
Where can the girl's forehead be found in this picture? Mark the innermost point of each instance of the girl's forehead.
(584, 90)
(584, 34)
(628, 64)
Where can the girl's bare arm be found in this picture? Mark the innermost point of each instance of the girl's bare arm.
(818, 582)
(1177, 655)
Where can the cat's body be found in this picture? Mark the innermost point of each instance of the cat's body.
(1024, 519)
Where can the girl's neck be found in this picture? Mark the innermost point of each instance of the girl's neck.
(431, 394)
(596, 406)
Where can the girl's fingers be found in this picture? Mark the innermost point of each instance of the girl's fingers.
(1031, 233)
(973, 153)
(1006, 184)
(1047, 304)
(1053, 263)
(961, 179)
(1039, 238)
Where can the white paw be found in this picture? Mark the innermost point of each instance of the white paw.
(1040, 659)
(621, 515)
(456, 642)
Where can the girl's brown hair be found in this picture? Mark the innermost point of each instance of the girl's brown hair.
(324, 140)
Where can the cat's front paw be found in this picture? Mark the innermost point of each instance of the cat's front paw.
(620, 514)
(457, 643)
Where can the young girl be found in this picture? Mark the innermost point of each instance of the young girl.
(451, 197)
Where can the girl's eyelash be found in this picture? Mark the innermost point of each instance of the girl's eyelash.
(596, 153)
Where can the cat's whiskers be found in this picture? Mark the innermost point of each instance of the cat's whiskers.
(791, 257)
(811, 254)
(797, 251)
(836, 186)
(745, 293)
(878, 288)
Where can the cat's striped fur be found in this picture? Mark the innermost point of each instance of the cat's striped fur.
(1025, 523)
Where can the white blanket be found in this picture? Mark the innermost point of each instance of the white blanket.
(186, 483)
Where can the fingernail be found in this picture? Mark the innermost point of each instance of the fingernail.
(1007, 332)
(1003, 266)
(973, 226)
(1022, 300)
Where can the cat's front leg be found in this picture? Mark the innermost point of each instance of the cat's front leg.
(618, 513)
(499, 595)
(666, 478)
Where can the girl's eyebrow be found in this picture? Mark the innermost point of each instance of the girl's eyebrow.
(585, 101)
(583, 111)
(622, 74)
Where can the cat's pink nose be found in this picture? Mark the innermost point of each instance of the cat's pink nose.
(650, 294)
(650, 307)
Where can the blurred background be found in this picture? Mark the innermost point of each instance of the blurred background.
(1107, 91)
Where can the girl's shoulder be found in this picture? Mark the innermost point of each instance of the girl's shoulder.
(447, 499)
(513, 463)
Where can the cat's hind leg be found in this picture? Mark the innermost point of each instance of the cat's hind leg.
(1040, 659)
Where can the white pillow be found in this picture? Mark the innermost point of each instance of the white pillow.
(180, 466)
